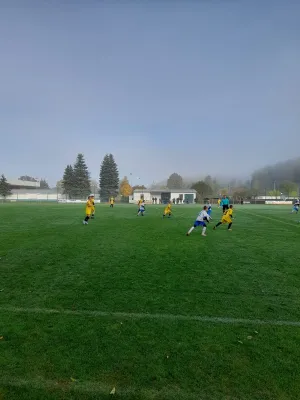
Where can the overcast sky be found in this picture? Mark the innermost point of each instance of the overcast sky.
(194, 87)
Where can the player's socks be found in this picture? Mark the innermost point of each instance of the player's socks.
(229, 226)
(218, 224)
(190, 231)
(203, 231)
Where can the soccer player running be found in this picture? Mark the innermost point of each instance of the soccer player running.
(225, 204)
(139, 203)
(168, 210)
(201, 220)
(296, 207)
(93, 207)
(88, 210)
(226, 218)
(111, 202)
(141, 209)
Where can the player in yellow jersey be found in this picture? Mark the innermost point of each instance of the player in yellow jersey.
(219, 203)
(111, 202)
(168, 210)
(226, 218)
(93, 207)
(88, 210)
(139, 203)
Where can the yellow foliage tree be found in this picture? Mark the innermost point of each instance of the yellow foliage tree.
(125, 188)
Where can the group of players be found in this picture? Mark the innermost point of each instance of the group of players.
(203, 218)
(90, 208)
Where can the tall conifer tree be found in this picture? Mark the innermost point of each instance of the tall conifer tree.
(82, 183)
(109, 178)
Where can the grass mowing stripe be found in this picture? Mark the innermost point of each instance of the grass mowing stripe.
(270, 218)
(92, 388)
(197, 318)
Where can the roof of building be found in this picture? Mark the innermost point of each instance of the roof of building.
(18, 182)
(180, 191)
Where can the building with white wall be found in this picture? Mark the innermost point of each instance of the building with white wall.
(164, 195)
(19, 184)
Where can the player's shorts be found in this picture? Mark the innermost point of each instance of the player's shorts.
(295, 208)
(199, 223)
(88, 212)
(225, 221)
(225, 207)
(141, 209)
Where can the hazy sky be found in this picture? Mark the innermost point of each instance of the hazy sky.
(195, 87)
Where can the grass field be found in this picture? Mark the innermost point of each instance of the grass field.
(133, 304)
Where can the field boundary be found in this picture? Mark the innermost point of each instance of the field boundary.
(166, 317)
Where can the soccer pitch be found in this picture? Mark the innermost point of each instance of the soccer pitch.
(132, 304)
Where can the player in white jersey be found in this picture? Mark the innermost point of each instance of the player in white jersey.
(296, 207)
(201, 220)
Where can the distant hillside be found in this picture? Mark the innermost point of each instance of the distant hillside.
(277, 174)
(218, 181)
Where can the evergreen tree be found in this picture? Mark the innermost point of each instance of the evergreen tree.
(68, 181)
(109, 178)
(4, 187)
(82, 184)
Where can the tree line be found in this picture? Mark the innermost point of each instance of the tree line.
(76, 182)
(270, 181)
(274, 180)
(279, 178)
(207, 187)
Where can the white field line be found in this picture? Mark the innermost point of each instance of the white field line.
(161, 317)
(270, 218)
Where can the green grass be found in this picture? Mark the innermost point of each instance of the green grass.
(146, 265)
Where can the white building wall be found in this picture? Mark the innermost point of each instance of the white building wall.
(18, 182)
(157, 196)
(34, 196)
(137, 196)
(148, 196)
(176, 195)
